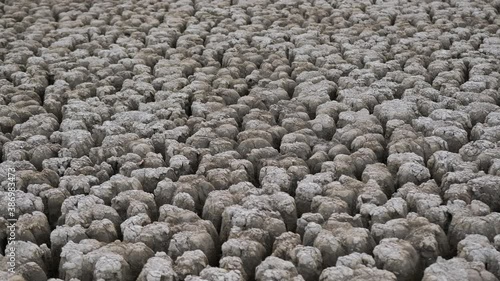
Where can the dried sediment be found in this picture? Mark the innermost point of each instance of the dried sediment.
(251, 140)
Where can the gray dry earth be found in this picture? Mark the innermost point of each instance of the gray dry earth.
(234, 140)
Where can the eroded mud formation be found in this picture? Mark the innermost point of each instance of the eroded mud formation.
(238, 140)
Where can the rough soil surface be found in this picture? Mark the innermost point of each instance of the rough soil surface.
(239, 140)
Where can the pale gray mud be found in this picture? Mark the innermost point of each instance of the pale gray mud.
(241, 140)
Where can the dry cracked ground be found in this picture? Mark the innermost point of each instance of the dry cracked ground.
(238, 140)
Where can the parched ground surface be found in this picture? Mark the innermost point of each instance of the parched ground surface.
(236, 140)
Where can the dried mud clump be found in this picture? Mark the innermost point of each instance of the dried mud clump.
(245, 140)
